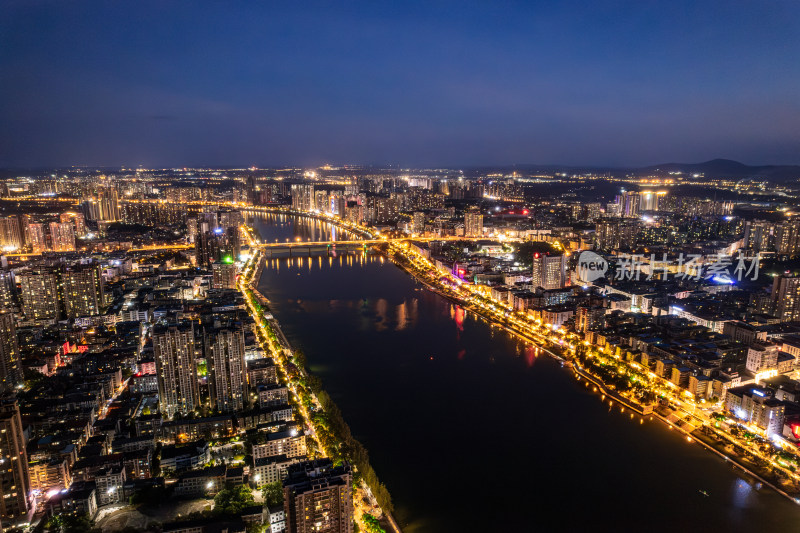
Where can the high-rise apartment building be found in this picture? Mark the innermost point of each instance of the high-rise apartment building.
(82, 288)
(77, 220)
(227, 371)
(614, 209)
(154, 214)
(15, 482)
(228, 243)
(8, 289)
(649, 200)
(303, 197)
(473, 223)
(588, 317)
(35, 237)
(191, 230)
(204, 253)
(787, 237)
(418, 223)
(318, 497)
(10, 233)
(103, 207)
(230, 218)
(613, 233)
(549, 271)
(786, 297)
(218, 244)
(10, 363)
(758, 235)
(39, 294)
(380, 209)
(594, 210)
(632, 204)
(322, 201)
(62, 237)
(224, 275)
(174, 350)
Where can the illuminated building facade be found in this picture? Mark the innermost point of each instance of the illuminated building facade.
(473, 223)
(39, 294)
(224, 275)
(82, 288)
(317, 496)
(786, 297)
(227, 371)
(549, 271)
(62, 236)
(174, 349)
(10, 233)
(10, 361)
(35, 237)
(15, 485)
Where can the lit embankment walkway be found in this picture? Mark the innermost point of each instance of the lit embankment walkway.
(300, 244)
(281, 350)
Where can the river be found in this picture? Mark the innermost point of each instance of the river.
(471, 430)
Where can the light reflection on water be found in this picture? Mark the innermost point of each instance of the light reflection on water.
(418, 378)
(377, 313)
(743, 494)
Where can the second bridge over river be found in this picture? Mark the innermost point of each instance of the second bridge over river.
(308, 248)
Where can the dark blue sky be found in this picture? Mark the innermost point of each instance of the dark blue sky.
(173, 83)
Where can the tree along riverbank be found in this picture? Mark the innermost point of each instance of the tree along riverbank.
(319, 411)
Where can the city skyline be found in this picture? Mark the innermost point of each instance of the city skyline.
(148, 307)
(281, 267)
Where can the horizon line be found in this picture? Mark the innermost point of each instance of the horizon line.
(386, 165)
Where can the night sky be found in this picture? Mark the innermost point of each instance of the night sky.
(172, 83)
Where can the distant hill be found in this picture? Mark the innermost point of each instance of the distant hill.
(716, 168)
(726, 168)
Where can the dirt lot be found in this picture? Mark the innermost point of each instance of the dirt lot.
(114, 518)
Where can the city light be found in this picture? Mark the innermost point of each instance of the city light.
(163, 298)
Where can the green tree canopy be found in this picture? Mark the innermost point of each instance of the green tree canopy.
(231, 501)
(273, 493)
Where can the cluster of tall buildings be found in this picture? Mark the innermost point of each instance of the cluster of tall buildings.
(81, 437)
(176, 325)
(630, 204)
(72, 291)
(25, 233)
(346, 202)
(217, 237)
(175, 349)
(155, 213)
(103, 206)
(783, 237)
(176, 369)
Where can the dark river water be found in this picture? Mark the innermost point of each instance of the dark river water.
(472, 430)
